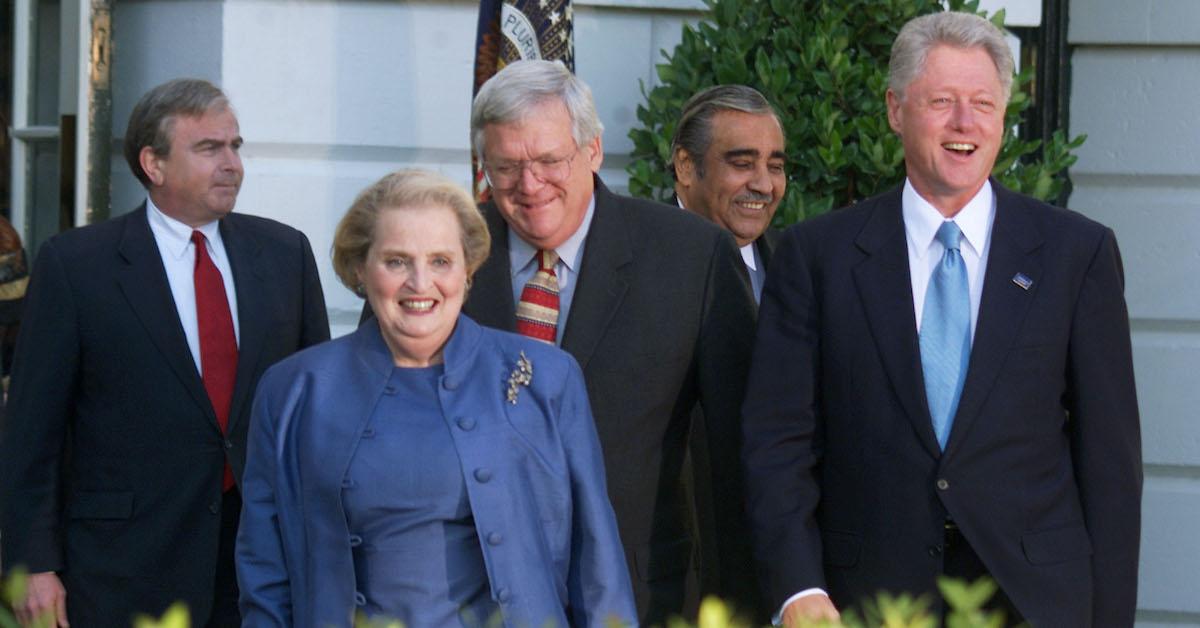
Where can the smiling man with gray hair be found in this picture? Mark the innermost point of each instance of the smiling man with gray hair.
(650, 300)
(942, 380)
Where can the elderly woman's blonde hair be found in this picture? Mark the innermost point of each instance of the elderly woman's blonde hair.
(398, 191)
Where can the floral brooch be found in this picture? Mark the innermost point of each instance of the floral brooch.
(521, 376)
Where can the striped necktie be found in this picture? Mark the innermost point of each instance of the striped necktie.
(537, 313)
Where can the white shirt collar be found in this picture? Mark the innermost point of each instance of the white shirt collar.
(922, 220)
(748, 256)
(174, 235)
(520, 252)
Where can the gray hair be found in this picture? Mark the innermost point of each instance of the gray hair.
(513, 91)
(152, 121)
(960, 30)
(694, 133)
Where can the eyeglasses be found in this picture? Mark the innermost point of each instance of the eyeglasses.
(506, 174)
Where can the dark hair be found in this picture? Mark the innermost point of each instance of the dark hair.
(694, 134)
(153, 118)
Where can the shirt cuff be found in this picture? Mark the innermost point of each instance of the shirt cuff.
(777, 618)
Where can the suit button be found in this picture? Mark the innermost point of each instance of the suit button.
(502, 595)
(347, 483)
(228, 444)
(214, 507)
(495, 538)
(942, 484)
(935, 550)
(355, 540)
(360, 599)
(466, 423)
(449, 384)
(389, 390)
(483, 474)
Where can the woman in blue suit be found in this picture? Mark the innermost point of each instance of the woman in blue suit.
(425, 468)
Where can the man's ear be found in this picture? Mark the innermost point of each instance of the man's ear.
(594, 151)
(151, 164)
(685, 167)
(893, 107)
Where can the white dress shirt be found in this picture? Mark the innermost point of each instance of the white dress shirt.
(174, 240)
(921, 223)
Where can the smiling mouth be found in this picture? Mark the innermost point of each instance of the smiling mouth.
(418, 305)
(962, 148)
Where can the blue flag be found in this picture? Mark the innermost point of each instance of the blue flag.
(511, 30)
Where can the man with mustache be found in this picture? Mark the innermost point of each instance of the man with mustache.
(143, 340)
(729, 164)
(942, 380)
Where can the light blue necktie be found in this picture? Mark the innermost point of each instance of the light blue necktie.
(946, 333)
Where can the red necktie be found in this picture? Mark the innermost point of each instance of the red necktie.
(537, 313)
(218, 345)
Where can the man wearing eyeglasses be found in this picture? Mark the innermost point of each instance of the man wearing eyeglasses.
(651, 301)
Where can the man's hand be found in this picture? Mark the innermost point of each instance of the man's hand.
(45, 602)
(808, 610)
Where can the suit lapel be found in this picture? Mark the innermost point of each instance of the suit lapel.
(885, 289)
(253, 308)
(144, 284)
(766, 246)
(490, 301)
(1014, 249)
(607, 255)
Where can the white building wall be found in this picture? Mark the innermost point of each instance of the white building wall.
(1135, 85)
(333, 95)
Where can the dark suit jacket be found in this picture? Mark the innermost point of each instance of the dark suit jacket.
(661, 319)
(1042, 471)
(711, 572)
(766, 244)
(112, 450)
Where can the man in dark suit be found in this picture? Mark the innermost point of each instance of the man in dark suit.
(942, 380)
(144, 339)
(729, 162)
(650, 300)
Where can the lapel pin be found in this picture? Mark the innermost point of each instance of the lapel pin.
(1022, 280)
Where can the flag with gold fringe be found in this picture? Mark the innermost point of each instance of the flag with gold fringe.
(511, 30)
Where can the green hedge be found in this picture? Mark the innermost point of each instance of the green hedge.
(824, 67)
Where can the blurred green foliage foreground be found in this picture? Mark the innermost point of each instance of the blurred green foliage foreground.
(885, 611)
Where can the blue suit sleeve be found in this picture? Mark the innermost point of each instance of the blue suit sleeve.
(1105, 434)
(598, 579)
(261, 562)
(40, 406)
(781, 424)
(316, 318)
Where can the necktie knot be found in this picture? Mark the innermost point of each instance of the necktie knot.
(949, 235)
(546, 260)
